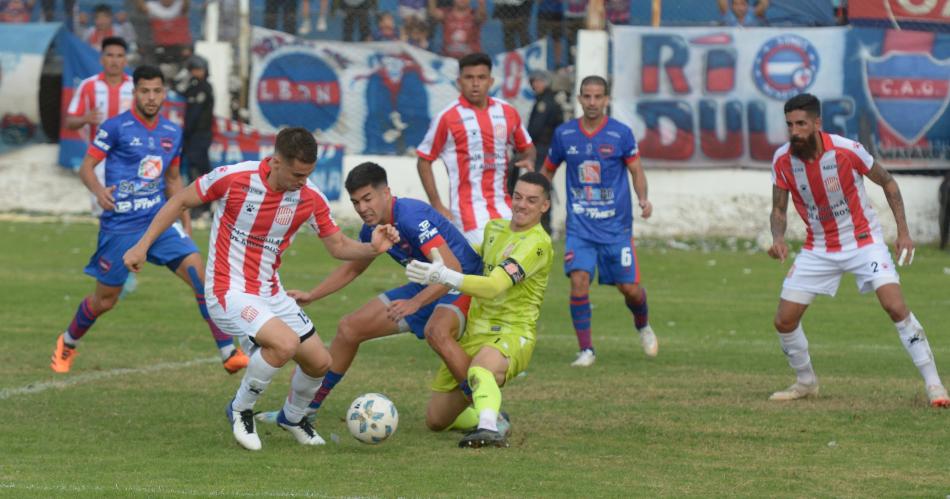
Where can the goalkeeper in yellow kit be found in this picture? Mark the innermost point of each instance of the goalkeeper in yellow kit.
(500, 335)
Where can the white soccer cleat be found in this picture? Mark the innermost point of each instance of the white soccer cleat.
(796, 391)
(242, 425)
(938, 396)
(585, 358)
(648, 341)
(302, 431)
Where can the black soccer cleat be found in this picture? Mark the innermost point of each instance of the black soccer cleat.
(483, 438)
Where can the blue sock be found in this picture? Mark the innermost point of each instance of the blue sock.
(639, 310)
(580, 315)
(329, 381)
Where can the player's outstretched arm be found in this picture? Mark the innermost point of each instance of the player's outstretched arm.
(337, 280)
(424, 167)
(173, 185)
(402, 308)
(904, 244)
(436, 272)
(88, 176)
(342, 247)
(184, 200)
(640, 186)
(778, 221)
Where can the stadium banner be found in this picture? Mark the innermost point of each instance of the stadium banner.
(713, 97)
(900, 84)
(232, 141)
(374, 98)
(22, 52)
(923, 15)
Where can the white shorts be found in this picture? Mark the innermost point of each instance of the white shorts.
(243, 314)
(819, 272)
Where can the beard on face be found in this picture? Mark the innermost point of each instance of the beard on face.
(804, 148)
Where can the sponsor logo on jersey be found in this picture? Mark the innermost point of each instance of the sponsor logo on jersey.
(135, 142)
(150, 167)
(589, 172)
(606, 150)
(167, 144)
(284, 215)
(572, 150)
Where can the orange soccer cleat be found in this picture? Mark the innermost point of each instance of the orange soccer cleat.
(62, 358)
(237, 361)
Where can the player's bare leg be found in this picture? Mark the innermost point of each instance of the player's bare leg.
(788, 319)
(100, 301)
(191, 270)
(486, 376)
(914, 339)
(581, 317)
(636, 299)
(446, 410)
(442, 332)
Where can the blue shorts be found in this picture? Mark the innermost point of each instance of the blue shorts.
(417, 322)
(106, 264)
(616, 263)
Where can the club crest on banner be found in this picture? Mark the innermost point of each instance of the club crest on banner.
(785, 66)
(908, 91)
(299, 89)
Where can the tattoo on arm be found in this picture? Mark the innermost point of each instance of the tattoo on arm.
(778, 220)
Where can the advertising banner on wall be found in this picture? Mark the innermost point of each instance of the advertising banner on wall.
(22, 52)
(923, 15)
(374, 98)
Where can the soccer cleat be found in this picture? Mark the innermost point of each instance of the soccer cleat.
(62, 359)
(648, 341)
(243, 428)
(482, 437)
(796, 391)
(270, 417)
(938, 396)
(322, 23)
(237, 361)
(304, 28)
(504, 424)
(303, 431)
(585, 358)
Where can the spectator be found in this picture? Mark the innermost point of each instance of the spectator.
(171, 33)
(515, 18)
(740, 15)
(305, 14)
(199, 119)
(16, 11)
(546, 115)
(461, 27)
(49, 11)
(551, 23)
(357, 12)
(103, 26)
(841, 11)
(273, 8)
(416, 33)
(575, 15)
(618, 11)
(386, 30)
(413, 9)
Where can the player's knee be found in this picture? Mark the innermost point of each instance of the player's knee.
(897, 311)
(580, 283)
(436, 336)
(346, 330)
(103, 304)
(632, 292)
(284, 347)
(435, 421)
(784, 324)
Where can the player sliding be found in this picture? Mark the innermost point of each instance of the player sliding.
(501, 331)
(599, 151)
(141, 153)
(263, 205)
(433, 312)
(825, 175)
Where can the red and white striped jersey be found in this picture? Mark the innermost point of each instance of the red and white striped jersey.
(473, 144)
(95, 93)
(253, 226)
(829, 194)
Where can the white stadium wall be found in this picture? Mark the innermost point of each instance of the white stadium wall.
(687, 203)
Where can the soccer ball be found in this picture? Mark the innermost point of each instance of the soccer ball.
(372, 418)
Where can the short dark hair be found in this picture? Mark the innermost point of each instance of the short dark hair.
(115, 40)
(474, 59)
(596, 80)
(296, 144)
(537, 179)
(102, 9)
(364, 174)
(804, 102)
(147, 72)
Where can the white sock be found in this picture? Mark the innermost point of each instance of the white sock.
(226, 351)
(488, 420)
(915, 342)
(256, 378)
(795, 347)
(302, 390)
(69, 340)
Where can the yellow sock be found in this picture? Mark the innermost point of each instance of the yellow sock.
(486, 396)
(467, 420)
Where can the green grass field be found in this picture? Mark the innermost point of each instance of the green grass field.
(142, 413)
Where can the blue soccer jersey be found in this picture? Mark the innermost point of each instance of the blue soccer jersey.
(421, 228)
(598, 193)
(137, 156)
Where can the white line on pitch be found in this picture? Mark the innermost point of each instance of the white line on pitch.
(161, 491)
(40, 387)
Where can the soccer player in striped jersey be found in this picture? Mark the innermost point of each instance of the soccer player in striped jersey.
(824, 174)
(502, 323)
(263, 204)
(598, 153)
(141, 151)
(472, 136)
